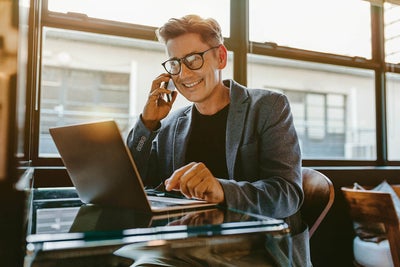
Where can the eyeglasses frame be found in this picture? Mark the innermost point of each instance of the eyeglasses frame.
(182, 59)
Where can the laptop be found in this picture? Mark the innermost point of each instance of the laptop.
(103, 171)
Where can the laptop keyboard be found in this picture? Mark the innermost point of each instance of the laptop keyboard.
(153, 192)
(160, 204)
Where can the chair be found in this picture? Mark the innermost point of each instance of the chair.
(374, 207)
(319, 194)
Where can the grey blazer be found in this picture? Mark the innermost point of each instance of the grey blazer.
(262, 151)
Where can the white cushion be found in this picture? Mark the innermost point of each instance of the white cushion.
(387, 188)
(371, 254)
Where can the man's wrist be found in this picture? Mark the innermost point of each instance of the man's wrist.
(151, 125)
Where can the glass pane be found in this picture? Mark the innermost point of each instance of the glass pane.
(338, 27)
(88, 77)
(392, 33)
(151, 13)
(393, 115)
(333, 107)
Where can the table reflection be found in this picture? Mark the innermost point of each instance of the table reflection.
(252, 250)
(213, 216)
(99, 236)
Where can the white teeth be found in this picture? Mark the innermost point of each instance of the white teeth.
(192, 84)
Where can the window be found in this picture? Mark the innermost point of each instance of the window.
(392, 55)
(392, 33)
(334, 120)
(87, 76)
(338, 27)
(95, 62)
(393, 115)
(151, 13)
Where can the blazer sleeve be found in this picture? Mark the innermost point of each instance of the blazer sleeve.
(140, 143)
(267, 177)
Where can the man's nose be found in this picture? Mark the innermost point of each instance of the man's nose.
(184, 70)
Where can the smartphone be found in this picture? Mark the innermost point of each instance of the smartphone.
(170, 86)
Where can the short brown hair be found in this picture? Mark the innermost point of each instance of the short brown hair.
(208, 29)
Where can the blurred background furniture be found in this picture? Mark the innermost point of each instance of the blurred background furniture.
(373, 207)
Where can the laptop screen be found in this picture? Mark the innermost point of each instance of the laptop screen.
(102, 169)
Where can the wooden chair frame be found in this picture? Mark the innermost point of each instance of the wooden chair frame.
(376, 207)
(319, 195)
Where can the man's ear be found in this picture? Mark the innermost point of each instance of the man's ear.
(222, 56)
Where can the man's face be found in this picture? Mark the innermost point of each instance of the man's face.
(195, 85)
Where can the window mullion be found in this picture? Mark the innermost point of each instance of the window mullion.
(378, 55)
(239, 39)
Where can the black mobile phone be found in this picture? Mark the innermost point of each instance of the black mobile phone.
(170, 86)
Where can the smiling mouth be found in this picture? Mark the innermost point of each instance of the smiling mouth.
(189, 85)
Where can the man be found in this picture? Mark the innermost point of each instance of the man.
(234, 146)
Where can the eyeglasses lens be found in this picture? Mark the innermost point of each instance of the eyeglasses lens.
(193, 62)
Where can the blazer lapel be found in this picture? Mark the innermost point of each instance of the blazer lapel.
(235, 125)
(181, 138)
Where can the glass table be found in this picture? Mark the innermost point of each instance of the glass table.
(62, 231)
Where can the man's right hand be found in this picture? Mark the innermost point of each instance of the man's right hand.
(156, 107)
